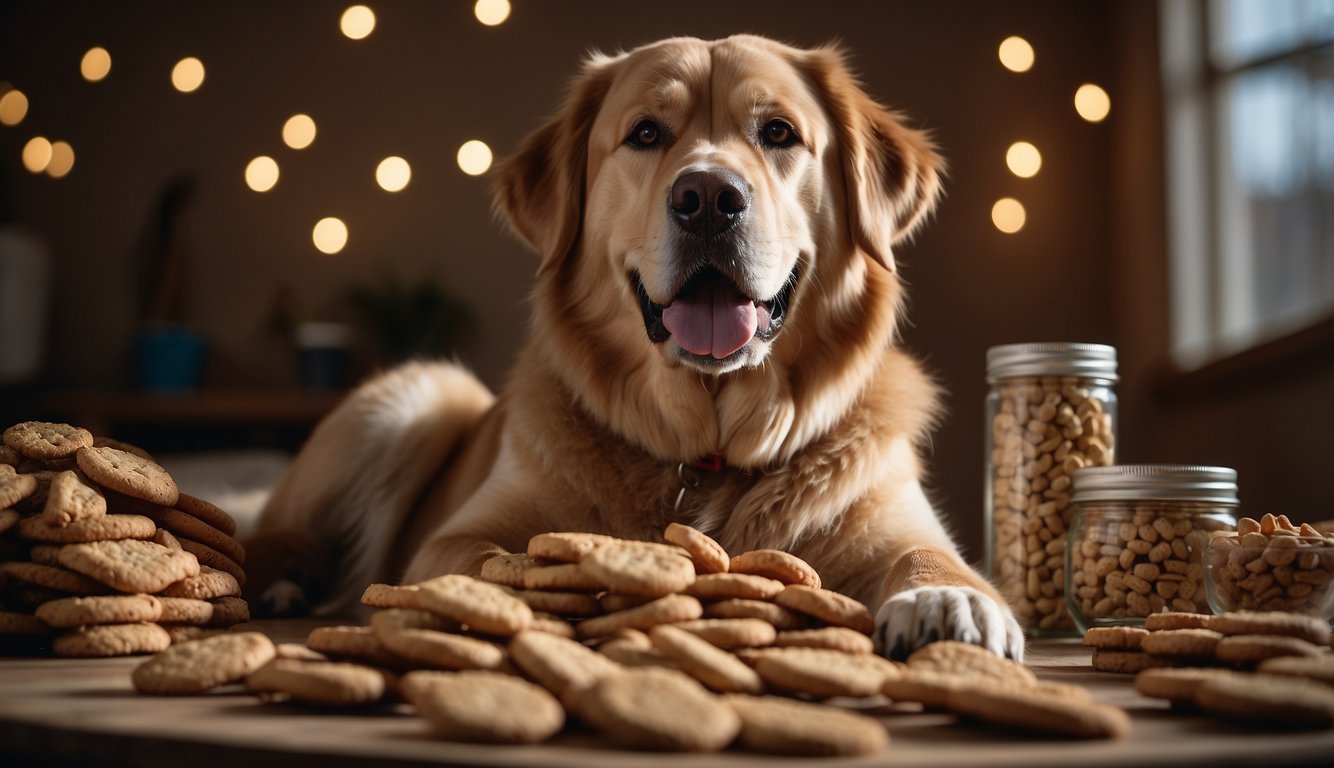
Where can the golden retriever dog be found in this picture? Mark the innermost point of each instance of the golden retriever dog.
(713, 342)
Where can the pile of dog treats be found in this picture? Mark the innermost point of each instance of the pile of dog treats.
(100, 553)
(1265, 668)
(664, 646)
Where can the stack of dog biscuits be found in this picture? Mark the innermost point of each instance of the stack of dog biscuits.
(1263, 668)
(101, 554)
(670, 645)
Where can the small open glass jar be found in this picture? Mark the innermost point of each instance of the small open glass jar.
(1138, 535)
(1051, 410)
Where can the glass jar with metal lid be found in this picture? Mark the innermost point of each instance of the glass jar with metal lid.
(1051, 410)
(1138, 534)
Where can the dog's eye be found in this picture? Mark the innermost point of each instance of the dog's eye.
(645, 134)
(778, 133)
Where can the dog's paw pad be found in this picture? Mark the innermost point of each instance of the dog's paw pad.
(917, 617)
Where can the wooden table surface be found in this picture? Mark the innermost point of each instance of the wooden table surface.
(84, 712)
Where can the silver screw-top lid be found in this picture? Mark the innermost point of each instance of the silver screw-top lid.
(1052, 358)
(1162, 482)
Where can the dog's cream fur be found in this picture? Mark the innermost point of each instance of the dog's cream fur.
(421, 472)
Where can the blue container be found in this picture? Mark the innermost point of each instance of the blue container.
(169, 359)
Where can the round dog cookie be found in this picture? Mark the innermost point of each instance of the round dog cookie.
(46, 440)
(1309, 628)
(740, 608)
(633, 570)
(208, 584)
(9, 455)
(72, 612)
(45, 554)
(1177, 620)
(112, 640)
(101, 441)
(717, 669)
(1253, 649)
(208, 556)
(952, 657)
(707, 554)
(558, 664)
(483, 607)
(389, 596)
(1177, 685)
(821, 672)
(1320, 668)
(626, 654)
(572, 604)
(486, 707)
(1115, 638)
(206, 512)
(8, 519)
(358, 643)
(201, 665)
(128, 474)
(726, 586)
(774, 564)
(52, 577)
(657, 708)
(731, 633)
(1182, 643)
(507, 569)
(22, 625)
(189, 527)
(185, 610)
(394, 619)
(15, 487)
(130, 565)
(68, 499)
(930, 688)
(322, 683)
(827, 606)
(782, 726)
(665, 610)
(567, 546)
(106, 528)
(1273, 700)
(434, 649)
(229, 611)
(833, 638)
(1126, 662)
(565, 577)
(1019, 707)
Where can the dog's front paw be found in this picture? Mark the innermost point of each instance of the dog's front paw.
(282, 598)
(913, 618)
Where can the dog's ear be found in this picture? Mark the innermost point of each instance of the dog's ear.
(892, 172)
(539, 191)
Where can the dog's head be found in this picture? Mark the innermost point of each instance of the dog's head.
(696, 203)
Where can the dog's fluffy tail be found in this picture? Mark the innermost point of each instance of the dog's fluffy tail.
(335, 515)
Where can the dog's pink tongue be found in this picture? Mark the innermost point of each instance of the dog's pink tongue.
(714, 320)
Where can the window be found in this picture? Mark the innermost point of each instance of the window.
(1249, 89)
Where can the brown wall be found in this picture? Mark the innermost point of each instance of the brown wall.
(1087, 267)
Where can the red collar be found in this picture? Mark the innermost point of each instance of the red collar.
(712, 463)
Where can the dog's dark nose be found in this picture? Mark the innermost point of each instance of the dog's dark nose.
(706, 203)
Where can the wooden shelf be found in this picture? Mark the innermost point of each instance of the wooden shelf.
(198, 420)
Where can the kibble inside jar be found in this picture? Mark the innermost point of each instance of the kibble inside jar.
(1051, 411)
(1137, 538)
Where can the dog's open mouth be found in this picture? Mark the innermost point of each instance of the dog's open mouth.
(710, 317)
